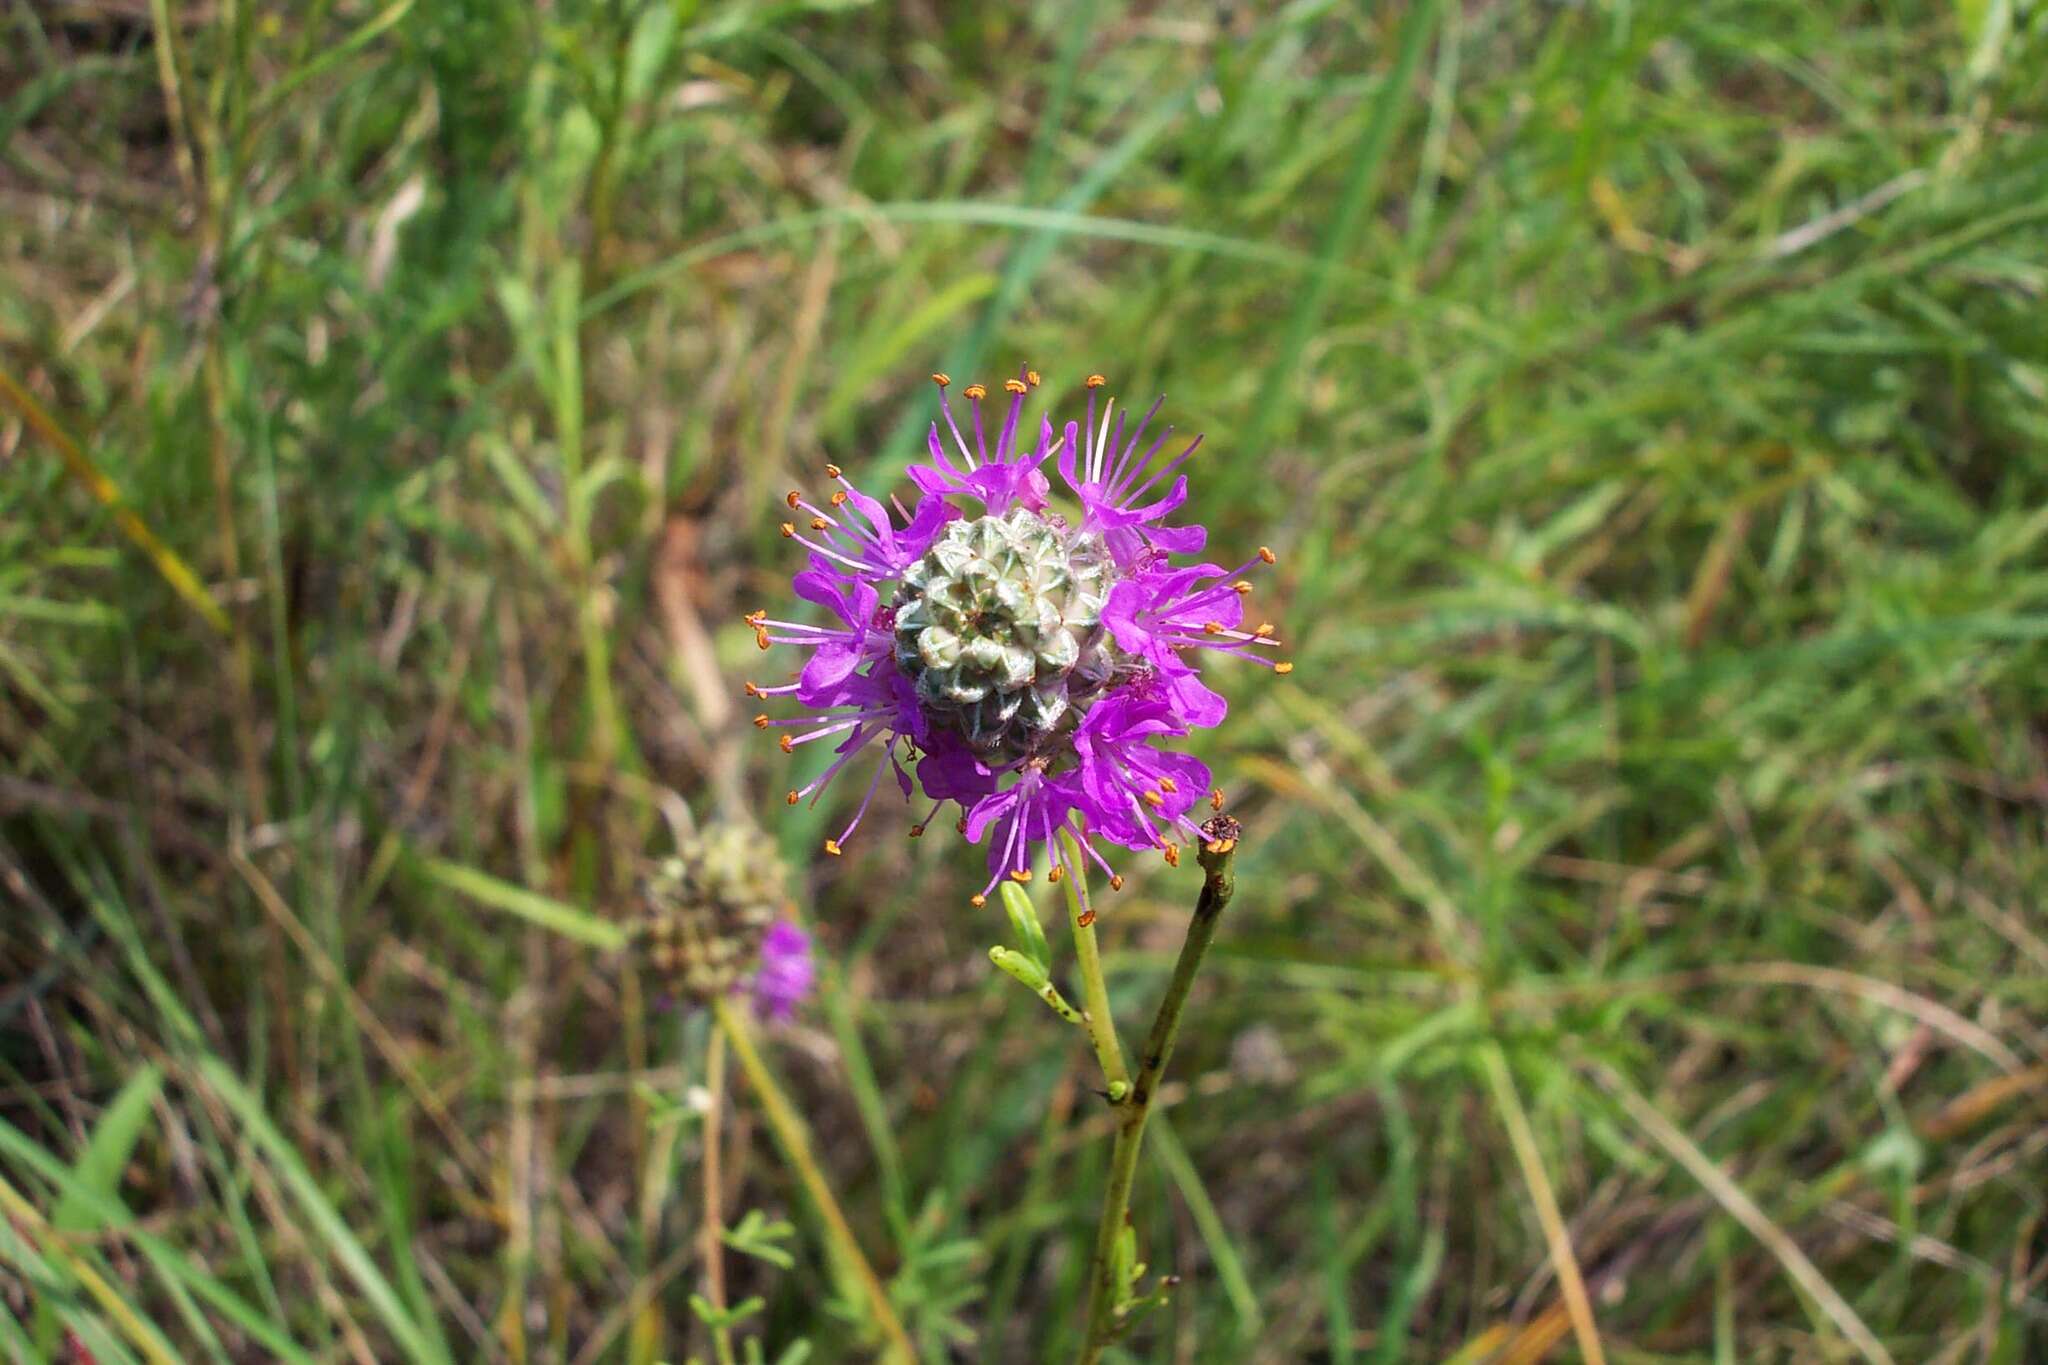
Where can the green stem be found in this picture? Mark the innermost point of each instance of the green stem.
(1095, 1013)
(1105, 1320)
(796, 1149)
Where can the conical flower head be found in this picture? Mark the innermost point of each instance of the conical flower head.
(1038, 671)
(706, 910)
(999, 628)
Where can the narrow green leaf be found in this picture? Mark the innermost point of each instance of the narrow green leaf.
(547, 912)
(107, 1152)
(414, 1342)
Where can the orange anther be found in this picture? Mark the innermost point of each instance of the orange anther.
(917, 831)
(942, 379)
(831, 471)
(761, 722)
(1265, 630)
(1031, 378)
(788, 745)
(1154, 800)
(1022, 874)
(975, 392)
(1095, 381)
(819, 523)
(1167, 784)
(1086, 917)
(1054, 873)
(838, 497)
(793, 497)
(1241, 586)
(832, 847)
(1284, 666)
(1116, 881)
(1016, 386)
(789, 800)
(1212, 627)
(977, 900)
(789, 530)
(1216, 799)
(1266, 554)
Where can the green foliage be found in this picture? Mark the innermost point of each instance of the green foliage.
(1648, 404)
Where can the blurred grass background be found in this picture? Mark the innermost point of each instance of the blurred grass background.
(1648, 402)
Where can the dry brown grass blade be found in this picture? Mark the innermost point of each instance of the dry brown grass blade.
(1556, 1236)
(104, 491)
(1731, 1197)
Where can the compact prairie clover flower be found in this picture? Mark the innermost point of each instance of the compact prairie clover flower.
(1031, 664)
(711, 921)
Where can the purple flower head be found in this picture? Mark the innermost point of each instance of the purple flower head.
(786, 973)
(1038, 670)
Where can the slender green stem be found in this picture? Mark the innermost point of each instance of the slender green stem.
(1095, 1013)
(796, 1149)
(1105, 1322)
(711, 1246)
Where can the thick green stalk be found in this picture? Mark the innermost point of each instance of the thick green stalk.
(1219, 881)
(796, 1149)
(1095, 1013)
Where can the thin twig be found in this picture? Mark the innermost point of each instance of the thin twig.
(711, 1236)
